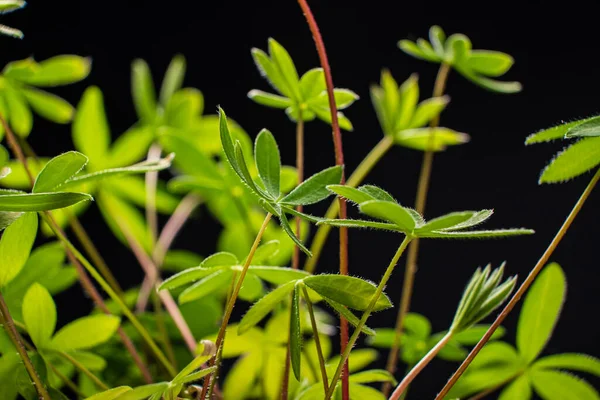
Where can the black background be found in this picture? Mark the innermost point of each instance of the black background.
(554, 48)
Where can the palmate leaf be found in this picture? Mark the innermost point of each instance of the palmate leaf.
(520, 388)
(554, 385)
(434, 139)
(555, 132)
(591, 127)
(540, 311)
(349, 291)
(573, 161)
(268, 163)
(571, 361)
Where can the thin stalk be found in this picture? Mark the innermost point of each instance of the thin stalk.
(151, 182)
(313, 323)
(367, 313)
(151, 272)
(413, 251)
(420, 365)
(93, 253)
(339, 160)
(9, 326)
(162, 329)
(76, 254)
(524, 286)
(231, 303)
(84, 370)
(357, 177)
(83, 278)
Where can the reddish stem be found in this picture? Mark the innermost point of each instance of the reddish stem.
(339, 160)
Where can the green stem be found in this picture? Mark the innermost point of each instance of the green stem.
(357, 177)
(367, 313)
(9, 326)
(162, 328)
(413, 251)
(112, 294)
(420, 365)
(313, 323)
(524, 286)
(84, 370)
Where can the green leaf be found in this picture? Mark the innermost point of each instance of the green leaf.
(349, 193)
(268, 162)
(324, 114)
(265, 252)
(357, 223)
(242, 376)
(437, 37)
(476, 234)
(216, 260)
(573, 161)
(391, 212)
(85, 333)
(540, 311)
(90, 360)
(556, 132)
(434, 139)
(284, 64)
(207, 285)
(91, 134)
(59, 170)
(41, 201)
(314, 189)
(365, 392)
(493, 85)
(409, 96)
(15, 245)
(490, 63)
(349, 316)
(427, 110)
(295, 334)
(312, 83)
(144, 392)
(111, 394)
(343, 99)
(197, 375)
(349, 291)
(482, 379)
(173, 78)
(59, 70)
(292, 235)
(572, 361)
(277, 275)
(412, 49)
(131, 146)
(358, 360)
(588, 128)
(39, 314)
(373, 375)
(554, 385)
(261, 308)
(520, 389)
(270, 72)
(49, 106)
(7, 6)
(20, 115)
(377, 193)
(477, 218)
(447, 221)
(473, 334)
(120, 215)
(269, 100)
(142, 90)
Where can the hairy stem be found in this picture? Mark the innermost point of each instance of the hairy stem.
(339, 160)
(236, 291)
(367, 313)
(420, 366)
(313, 323)
(9, 326)
(413, 251)
(357, 177)
(79, 366)
(524, 286)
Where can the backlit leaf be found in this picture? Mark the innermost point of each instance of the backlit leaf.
(572, 361)
(41, 201)
(520, 389)
(207, 285)
(490, 63)
(49, 106)
(58, 170)
(277, 275)
(269, 100)
(142, 90)
(91, 133)
(284, 64)
(39, 314)
(110, 394)
(85, 333)
(59, 70)
(554, 385)
(388, 211)
(144, 392)
(15, 245)
(434, 139)
(173, 78)
(264, 306)
(349, 291)
(573, 161)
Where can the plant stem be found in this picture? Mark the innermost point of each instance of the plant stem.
(339, 160)
(367, 312)
(183, 211)
(357, 177)
(420, 365)
(313, 323)
(92, 252)
(524, 286)
(151, 272)
(413, 251)
(111, 293)
(84, 370)
(151, 182)
(236, 291)
(71, 251)
(162, 329)
(9, 326)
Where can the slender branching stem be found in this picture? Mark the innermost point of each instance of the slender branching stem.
(173, 226)
(81, 368)
(524, 286)
(151, 182)
(313, 323)
(413, 250)
(152, 272)
(76, 255)
(357, 177)
(93, 253)
(339, 160)
(9, 326)
(367, 313)
(420, 366)
(240, 281)
(83, 278)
